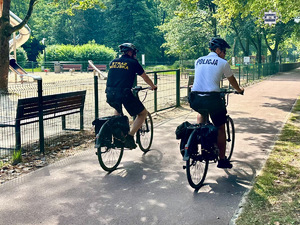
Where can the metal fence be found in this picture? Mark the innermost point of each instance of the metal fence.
(95, 106)
(52, 128)
(249, 73)
(172, 89)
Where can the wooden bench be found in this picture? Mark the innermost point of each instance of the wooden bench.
(189, 84)
(71, 67)
(99, 67)
(52, 106)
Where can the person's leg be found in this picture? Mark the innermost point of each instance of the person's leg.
(219, 119)
(221, 141)
(116, 113)
(135, 108)
(199, 118)
(138, 122)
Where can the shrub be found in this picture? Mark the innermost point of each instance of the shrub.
(90, 51)
(21, 56)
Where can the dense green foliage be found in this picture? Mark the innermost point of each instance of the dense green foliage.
(117, 22)
(162, 29)
(90, 51)
(21, 56)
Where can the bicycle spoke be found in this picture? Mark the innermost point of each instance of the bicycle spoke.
(145, 134)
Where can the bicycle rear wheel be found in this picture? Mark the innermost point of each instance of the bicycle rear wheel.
(230, 137)
(196, 170)
(196, 165)
(109, 153)
(144, 135)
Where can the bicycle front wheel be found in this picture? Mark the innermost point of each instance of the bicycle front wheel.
(230, 137)
(196, 170)
(109, 153)
(144, 135)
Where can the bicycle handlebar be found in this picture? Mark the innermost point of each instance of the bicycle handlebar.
(140, 88)
(235, 92)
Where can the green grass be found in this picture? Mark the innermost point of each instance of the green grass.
(275, 197)
(34, 70)
(16, 157)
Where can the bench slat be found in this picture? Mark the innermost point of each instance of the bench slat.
(72, 66)
(99, 67)
(28, 108)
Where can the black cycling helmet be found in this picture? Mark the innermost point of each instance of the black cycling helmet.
(217, 42)
(125, 47)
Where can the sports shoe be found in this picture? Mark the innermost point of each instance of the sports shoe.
(129, 142)
(224, 163)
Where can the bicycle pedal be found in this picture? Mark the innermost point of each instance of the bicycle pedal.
(184, 167)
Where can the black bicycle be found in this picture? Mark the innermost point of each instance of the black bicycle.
(201, 148)
(111, 132)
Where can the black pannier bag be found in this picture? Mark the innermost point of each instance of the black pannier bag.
(119, 126)
(208, 136)
(98, 123)
(183, 133)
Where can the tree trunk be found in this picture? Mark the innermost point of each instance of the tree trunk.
(247, 53)
(6, 31)
(273, 56)
(258, 48)
(4, 56)
(4, 63)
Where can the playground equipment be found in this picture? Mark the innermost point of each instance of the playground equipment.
(17, 41)
(96, 70)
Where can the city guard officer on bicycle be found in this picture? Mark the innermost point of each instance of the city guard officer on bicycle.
(121, 76)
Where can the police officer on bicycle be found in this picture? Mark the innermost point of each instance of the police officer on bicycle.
(205, 95)
(121, 76)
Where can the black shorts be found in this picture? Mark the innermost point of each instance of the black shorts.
(117, 98)
(212, 103)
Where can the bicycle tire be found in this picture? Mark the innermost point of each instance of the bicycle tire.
(109, 156)
(144, 135)
(230, 137)
(196, 166)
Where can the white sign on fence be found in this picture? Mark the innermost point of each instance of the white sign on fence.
(247, 60)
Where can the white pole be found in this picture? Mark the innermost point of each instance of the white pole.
(143, 59)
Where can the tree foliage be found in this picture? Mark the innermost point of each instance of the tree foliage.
(230, 10)
(6, 30)
(189, 26)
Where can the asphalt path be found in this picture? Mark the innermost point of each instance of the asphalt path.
(152, 188)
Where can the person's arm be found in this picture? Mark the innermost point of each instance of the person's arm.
(235, 84)
(148, 81)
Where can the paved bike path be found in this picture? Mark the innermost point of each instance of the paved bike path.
(152, 188)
